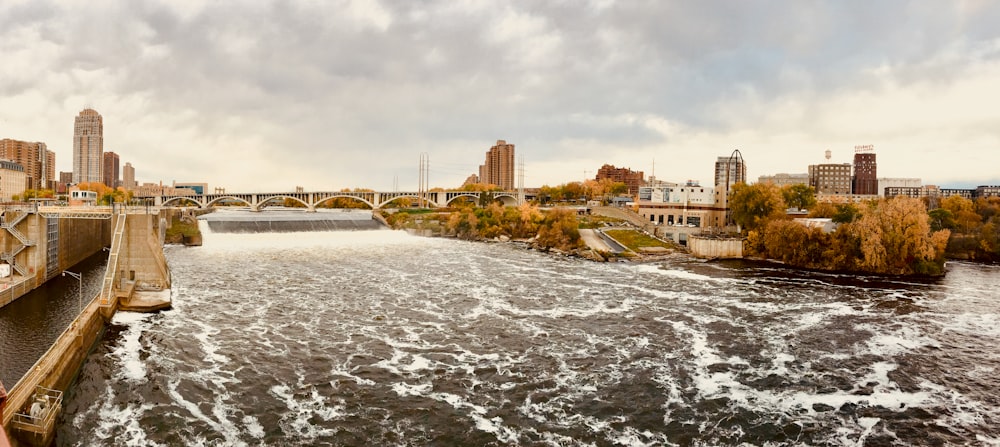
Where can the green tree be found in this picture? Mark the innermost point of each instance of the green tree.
(799, 196)
(845, 213)
(941, 219)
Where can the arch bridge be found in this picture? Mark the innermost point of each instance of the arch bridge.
(312, 200)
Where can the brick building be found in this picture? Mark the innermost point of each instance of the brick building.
(110, 171)
(865, 181)
(632, 179)
(38, 163)
(499, 166)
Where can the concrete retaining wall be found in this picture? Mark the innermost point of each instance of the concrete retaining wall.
(141, 258)
(715, 248)
(76, 240)
(79, 238)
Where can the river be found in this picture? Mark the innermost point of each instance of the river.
(381, 338)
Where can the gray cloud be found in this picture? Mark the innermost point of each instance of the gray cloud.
(348, 93)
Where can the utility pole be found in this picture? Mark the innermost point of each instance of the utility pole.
(520, 180)
(425, 165)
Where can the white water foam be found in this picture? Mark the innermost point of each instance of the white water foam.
(130, 349)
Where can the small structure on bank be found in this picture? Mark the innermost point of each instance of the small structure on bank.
(35, 424)
(712, 246)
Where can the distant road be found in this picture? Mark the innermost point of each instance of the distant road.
(620, 213)
(594, 241)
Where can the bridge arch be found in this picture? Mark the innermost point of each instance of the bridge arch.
(472, 195)
(235, 198)
(347, 195)
(387, 199)
(507, 199)
(181, 199)
(264, 199)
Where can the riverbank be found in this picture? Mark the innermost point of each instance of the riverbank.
(560, 231)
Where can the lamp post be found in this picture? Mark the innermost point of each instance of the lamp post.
(79, 277)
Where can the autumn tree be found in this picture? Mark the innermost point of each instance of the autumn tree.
(559, 230)
(753, 206)
(895, 238)
(963, 211)
(822, 210)
(463, 224)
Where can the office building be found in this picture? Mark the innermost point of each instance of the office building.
(632, 179)
(88, 147)
(688, 205)
(110, 171)
(831, 178)
(499, 166)
(737, 171)
(128, 177)
(198, 188)
(891, 182)
(781, 180)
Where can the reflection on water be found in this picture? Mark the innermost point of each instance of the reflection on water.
(30, 324)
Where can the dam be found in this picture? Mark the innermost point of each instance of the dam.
(290, 220)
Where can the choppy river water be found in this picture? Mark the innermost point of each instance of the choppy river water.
(381, 338)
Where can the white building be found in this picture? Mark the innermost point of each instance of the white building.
(688, 204)
(886, 182)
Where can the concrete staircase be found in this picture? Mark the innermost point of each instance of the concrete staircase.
(107, 297)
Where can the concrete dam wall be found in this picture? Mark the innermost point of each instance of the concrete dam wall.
(280, 221)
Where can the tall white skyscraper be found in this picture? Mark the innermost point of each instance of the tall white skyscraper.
(88, 146)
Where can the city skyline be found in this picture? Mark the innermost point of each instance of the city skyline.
(352, 93)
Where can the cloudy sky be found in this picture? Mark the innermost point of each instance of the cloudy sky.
(265, 96)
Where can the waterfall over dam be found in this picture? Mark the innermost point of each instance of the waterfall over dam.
(289, 221)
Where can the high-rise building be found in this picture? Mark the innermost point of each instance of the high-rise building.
(110, 170)
(865, 174)
(88, 146)
(737, 170)
(128, 177)
(632, 179)
(38, 162)
(499, 167)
